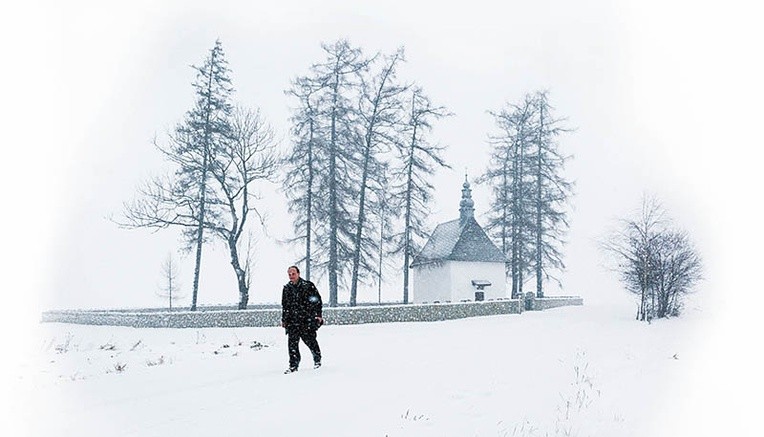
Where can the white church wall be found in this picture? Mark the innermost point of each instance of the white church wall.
(463, 272)
(432, 282)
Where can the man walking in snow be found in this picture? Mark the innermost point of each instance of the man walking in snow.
(301, 317)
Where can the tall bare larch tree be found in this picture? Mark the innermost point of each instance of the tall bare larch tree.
(182, 200)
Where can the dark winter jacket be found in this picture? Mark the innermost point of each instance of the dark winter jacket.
(300, 305)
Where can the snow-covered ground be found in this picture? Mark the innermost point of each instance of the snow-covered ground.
(574, 371)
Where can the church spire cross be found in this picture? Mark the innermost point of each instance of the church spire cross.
(467, 205)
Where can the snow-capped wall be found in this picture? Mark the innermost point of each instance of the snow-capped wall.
(333, 316)
(272, 317)
(548, 302)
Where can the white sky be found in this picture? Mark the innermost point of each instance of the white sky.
(665, 97)
(662, 95)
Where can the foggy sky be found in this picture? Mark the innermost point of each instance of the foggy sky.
(665, 98)
(633, 80)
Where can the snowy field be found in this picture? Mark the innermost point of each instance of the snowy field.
(574, 371)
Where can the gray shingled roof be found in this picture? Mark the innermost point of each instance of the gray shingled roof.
(451, 242)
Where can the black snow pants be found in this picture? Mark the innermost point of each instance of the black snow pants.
(308, 336)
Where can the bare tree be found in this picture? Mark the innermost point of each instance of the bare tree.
(552, 193)
(183, 199)
(170, 287)
(634, 244)
(418, 160)
(387, 213)
(509, 174)
(380, 113)
(303, 163)
(335, 85)
(207, 125)
(247, 158)
(678, 268)
(340, 73)
(655, 260)
(350, 130)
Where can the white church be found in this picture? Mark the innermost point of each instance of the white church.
(459, 261)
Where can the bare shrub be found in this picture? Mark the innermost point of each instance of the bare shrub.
(64, 347)
(256, 345)
(158, 362)
(655, 261)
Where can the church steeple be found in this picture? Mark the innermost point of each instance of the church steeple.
(467, 205)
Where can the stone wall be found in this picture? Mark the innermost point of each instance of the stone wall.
(545, 303)
(272, 316)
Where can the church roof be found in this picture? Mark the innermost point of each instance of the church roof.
(454, 242)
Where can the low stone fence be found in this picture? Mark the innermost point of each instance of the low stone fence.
(539, 304)
(332, 316)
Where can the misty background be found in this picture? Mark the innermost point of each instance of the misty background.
(657, 95)
(665, 98)
(122, 75)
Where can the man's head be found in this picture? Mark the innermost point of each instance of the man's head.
(294, 274)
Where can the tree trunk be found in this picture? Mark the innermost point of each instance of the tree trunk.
(333, 262)
(379, 274)
(515, 219)
(364, 178)
(521, 216)
(361, 219)
(199, 236)
(203, 188)
(407, 221)
(504, 220)
(359, 231)
(539, 230)
(310, 203)
(241, 276)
